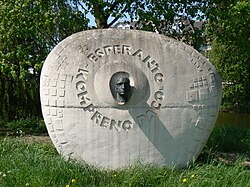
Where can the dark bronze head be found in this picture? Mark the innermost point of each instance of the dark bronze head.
(121, 87)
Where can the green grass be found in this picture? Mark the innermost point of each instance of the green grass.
(34, 164)
(230, 139)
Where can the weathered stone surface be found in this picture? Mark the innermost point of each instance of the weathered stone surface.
(172, 102)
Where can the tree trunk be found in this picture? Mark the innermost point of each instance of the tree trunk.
(100, 18)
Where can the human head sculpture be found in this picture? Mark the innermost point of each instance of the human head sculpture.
(121, 87)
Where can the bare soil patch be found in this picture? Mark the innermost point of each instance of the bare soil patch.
(44, 138)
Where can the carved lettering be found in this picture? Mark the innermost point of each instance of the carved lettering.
(152, 65)
(159, 96)
(126, 49)
(105, 122)
(99, 53)
(108, 49)
(147, 119)
(92, 57)
(158, 77)
(156, 68)
(156, 105)
(127, 125)
(80, 86)
(117, 49)
(83, 97)
(141, 120)
(139, 54)
(116, 125)
(83, 73)
(151, 116)
(97, 117)
(89, 108)
(149, 61)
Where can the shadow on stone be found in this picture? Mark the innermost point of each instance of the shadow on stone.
(152, 127)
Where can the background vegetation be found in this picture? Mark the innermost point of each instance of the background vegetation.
(30, 29)
(231, 53)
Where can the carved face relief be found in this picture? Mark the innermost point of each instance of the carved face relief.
(121, 87)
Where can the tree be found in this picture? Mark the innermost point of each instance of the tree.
(230, 53)
(151, 15)
(29, 29)
(103, 10)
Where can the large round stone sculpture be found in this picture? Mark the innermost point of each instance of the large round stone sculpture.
(112, 98)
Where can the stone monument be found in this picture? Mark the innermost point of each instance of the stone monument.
(111, 98)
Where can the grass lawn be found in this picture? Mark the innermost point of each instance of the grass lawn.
(36, 163)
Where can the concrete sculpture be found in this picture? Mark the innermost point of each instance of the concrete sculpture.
(112, 98)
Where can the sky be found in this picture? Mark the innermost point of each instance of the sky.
(92, 19)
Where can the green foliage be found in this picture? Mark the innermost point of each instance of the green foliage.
(174, 19)
(24, 126)
(165, 17)
(230, 54)
(28, 31)
(36, 164)
(230, 139)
